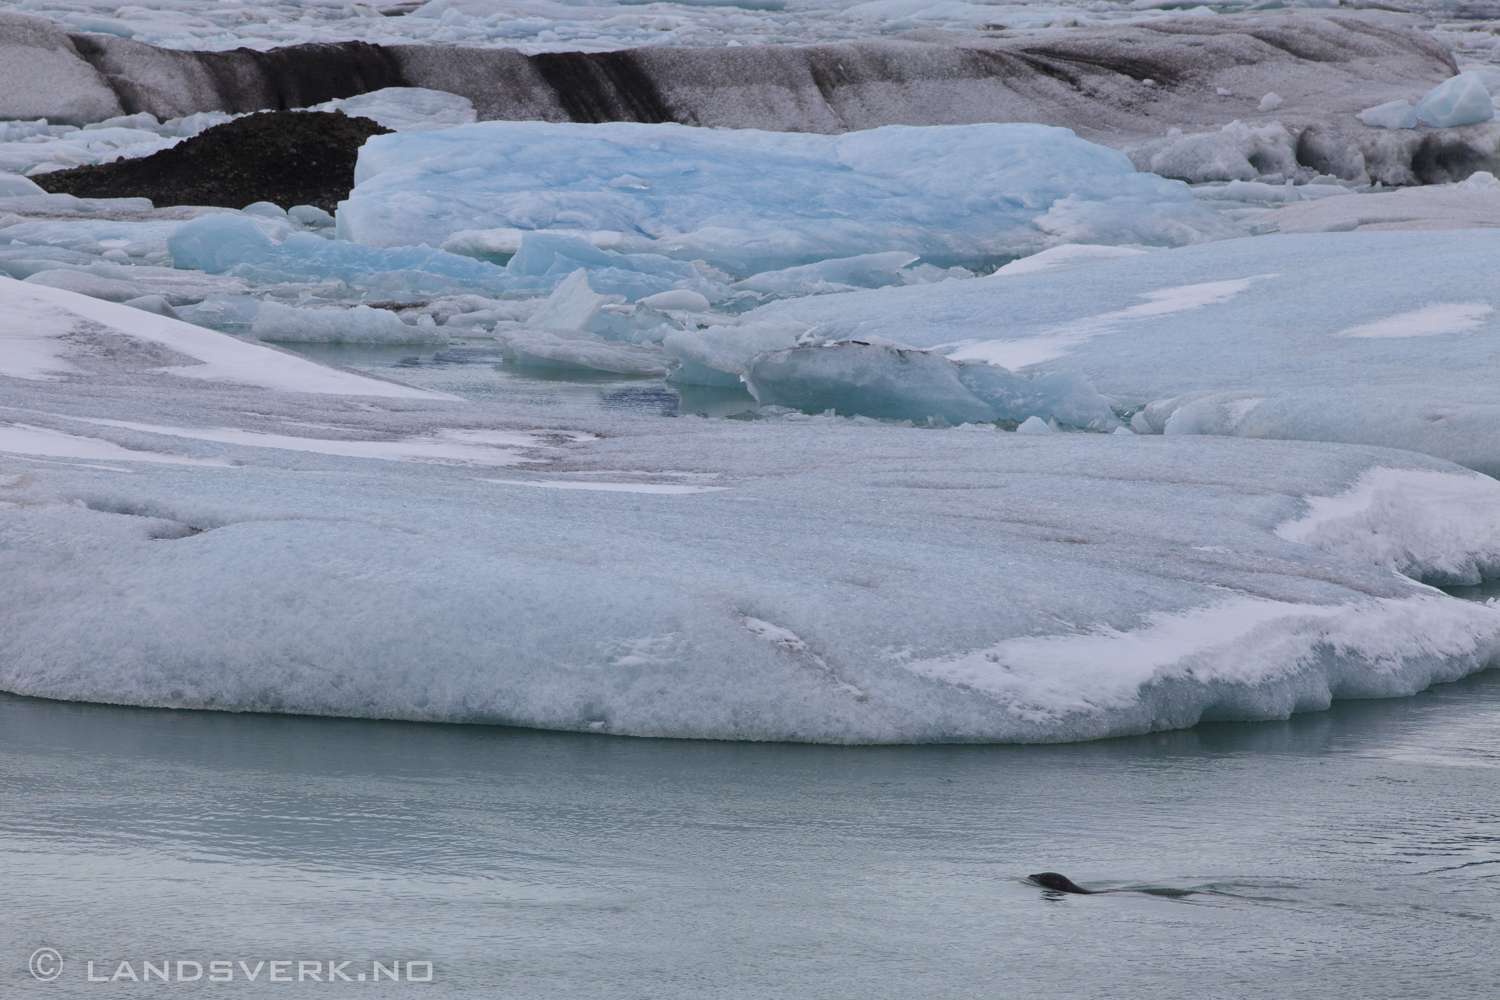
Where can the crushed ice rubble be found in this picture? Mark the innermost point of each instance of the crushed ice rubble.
(301, 538)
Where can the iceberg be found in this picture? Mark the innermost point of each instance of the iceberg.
(1298, 336)
(406, 109)
(1459, 100)
(1391, 114)
(333, 325)
(870, 380)
(818, 579)
(576, 350)
(746, 201)
(719, 355)
(269, 251)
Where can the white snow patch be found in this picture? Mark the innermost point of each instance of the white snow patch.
(1246, 642)
(466, 447)
(225, 358)
(1424, 524)
(1162, 302)
(26, 439)
(1429, 321)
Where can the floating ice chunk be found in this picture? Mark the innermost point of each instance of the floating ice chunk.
(265, 209)
(66, 204)
(1270, 102)
(190, 125)
(244, 245)
(406, 109)
(634, 276)
(679, 299)
(14, 186)
(747, 201)
(57, 315)
(332, 325)
(1034, 425)
(1069, 255)
(153, 304)
(230, 313)
(84, 283)
(719, 355)
(864, 379)
(573, 305)
(871, 270)
(215, 243)
(1391, 114)
(1251, 191)
(1480, 180)
(1237, 152)
(580, 351)
(311, 216)
(1064, 396)
(1459, 100)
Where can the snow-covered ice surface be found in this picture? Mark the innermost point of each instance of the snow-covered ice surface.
(1387, 338)
(747, 201)
(226, 525)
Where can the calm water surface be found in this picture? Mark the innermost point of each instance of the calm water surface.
(1350, 853)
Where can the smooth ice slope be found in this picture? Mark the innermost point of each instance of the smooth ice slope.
(1389, 338)
(749, 201)
(290, 548)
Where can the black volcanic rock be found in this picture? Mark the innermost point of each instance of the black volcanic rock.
(286, 157)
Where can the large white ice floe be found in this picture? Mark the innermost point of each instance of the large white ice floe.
(749, 201)
(50, 333)
(1309, 337)
(285, 537)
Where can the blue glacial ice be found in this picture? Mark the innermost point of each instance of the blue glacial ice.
(747, 201)
(1459, 100)
(1309, 337)
(871, 380)
(269, 250)
(1391, 114)
(820, 579)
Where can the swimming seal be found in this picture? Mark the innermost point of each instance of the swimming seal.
(1059, 883)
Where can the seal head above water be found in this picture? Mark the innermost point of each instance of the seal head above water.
(1059, 883)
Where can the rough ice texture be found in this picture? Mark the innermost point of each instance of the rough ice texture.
(1119, 85)
(749, 201)
(211, 544)
(1283, 336)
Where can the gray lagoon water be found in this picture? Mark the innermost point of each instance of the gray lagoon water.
(1347, 853)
